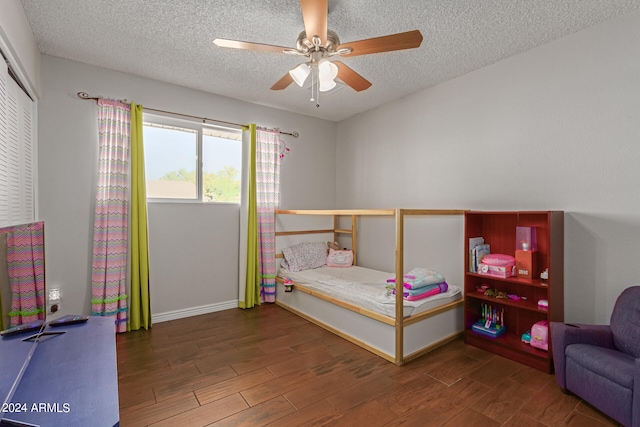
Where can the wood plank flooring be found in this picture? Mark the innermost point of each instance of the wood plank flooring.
(268, 367)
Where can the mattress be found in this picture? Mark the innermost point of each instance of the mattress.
(365, 288)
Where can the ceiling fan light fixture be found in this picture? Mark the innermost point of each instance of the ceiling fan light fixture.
(326, 85)
(300, 73)
(327, 69)
(327, 72)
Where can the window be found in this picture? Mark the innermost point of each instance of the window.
(173, 171)
(17, 152)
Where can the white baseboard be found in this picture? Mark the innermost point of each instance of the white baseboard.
(193, 311)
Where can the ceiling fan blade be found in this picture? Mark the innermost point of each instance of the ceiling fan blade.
(407, 40)
(283, 83)
(314, 15)
(351, 78)
(236, 44)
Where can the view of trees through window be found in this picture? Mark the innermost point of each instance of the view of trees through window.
(174, 172)
(223, 186)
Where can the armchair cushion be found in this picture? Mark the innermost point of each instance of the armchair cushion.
(625, 321)
(611, 364)
(604, 380)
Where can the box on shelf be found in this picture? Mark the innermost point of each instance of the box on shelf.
(526, 264)
(497, 271)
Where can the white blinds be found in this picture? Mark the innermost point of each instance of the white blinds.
(17, 173)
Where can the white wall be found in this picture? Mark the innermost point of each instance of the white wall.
(557, 127)
(193, 247)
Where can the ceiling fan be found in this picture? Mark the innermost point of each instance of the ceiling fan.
(319, 44)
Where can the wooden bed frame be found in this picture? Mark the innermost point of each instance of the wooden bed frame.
(398, 339)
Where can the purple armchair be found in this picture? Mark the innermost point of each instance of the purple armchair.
(601, 363)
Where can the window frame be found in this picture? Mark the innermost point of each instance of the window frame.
(198, 127)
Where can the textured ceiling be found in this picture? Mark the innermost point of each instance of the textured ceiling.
(171, 41)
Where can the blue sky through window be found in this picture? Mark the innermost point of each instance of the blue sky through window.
(168, 150)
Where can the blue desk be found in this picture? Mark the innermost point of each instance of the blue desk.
(71, 380)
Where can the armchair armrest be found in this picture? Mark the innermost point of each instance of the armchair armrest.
(563, 334)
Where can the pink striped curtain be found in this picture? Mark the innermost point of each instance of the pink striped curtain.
(25, 262)
(267, 198)
(109, 266)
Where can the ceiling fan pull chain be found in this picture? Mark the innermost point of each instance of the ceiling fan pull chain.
(317, 87)
(312, 83)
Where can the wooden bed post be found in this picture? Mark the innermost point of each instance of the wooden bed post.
(399, 287)
(335, 228)
(354, 239)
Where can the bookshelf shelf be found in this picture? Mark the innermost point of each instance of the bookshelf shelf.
(524, 305)
(498, 229)
(523, 281)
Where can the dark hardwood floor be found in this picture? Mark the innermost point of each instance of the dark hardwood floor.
(266, 366)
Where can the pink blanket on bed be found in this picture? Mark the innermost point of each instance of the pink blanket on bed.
(429, 291)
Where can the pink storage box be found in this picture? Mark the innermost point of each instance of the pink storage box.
(540, 335)
(500, 260)
(496, 270)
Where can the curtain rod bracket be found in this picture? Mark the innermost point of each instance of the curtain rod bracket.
(84, 95)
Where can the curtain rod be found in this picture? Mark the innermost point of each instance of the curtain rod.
(85, 95)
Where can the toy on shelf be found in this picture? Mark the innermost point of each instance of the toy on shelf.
(494, 293)
(526, 239)
(545, 274)
(482, 288)
(491, 324)
(526, 246)
(540, 335)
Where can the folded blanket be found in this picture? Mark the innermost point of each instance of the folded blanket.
(420, 293)
(391, 288)
(442, 287)
(420, 277)
(423, 289)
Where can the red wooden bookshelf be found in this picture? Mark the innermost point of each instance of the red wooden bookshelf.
(499, 231)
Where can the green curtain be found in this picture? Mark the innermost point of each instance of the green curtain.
(252, 290)
(139, 302)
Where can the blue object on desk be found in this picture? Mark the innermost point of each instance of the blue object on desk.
(71, 379)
